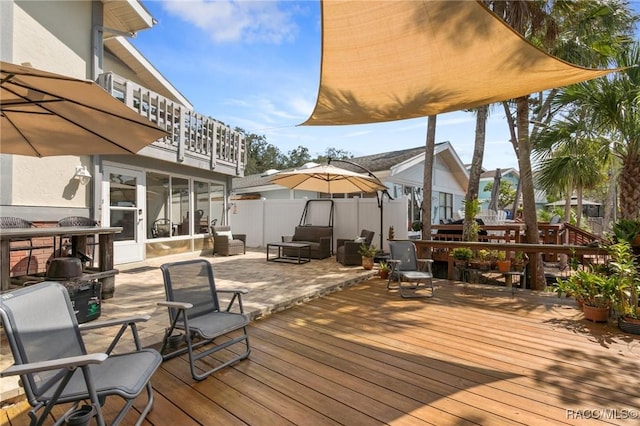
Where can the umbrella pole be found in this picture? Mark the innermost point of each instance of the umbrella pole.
(379, 195)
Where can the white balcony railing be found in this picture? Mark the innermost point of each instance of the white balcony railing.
(193, 134)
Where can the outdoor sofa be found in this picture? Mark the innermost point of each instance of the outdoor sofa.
(318, 237)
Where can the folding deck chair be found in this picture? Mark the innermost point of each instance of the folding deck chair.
(52, 361)
(411, 274)
(194, 309)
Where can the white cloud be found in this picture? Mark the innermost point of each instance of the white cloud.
(236, 20)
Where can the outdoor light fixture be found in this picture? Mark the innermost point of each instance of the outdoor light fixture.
(82, 174)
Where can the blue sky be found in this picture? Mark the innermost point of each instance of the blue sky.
(256, 65)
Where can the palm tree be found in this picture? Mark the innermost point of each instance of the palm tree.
(569, 159)
(613, 110)
(469, 231)
(604, 26)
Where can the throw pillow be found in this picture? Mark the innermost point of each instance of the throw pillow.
(359, 240)
(227, 234)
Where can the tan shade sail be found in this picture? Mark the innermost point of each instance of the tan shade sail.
(329, 180)
(44, 114)
(394, 60)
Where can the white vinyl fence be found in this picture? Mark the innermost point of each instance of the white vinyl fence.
(266, 221)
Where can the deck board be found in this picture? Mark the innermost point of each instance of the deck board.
(473, 354)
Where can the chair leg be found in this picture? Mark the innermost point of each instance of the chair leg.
(410, 291)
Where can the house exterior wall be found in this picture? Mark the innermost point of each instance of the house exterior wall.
(37, 33)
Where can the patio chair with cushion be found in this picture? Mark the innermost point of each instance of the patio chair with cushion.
(348, 251)
(227, 243)
(195, 314)
(412, 275)
(54, 366)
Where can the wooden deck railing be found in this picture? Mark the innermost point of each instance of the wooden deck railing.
(439, 251)
(193, 134)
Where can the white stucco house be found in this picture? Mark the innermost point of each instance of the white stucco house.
(183, 179)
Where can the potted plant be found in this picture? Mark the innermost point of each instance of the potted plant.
(597, 292)
(502, 263)
(484, 263)
(368, 252)
(623, 270)
(462, 256)
(494, 256)
(519, 261)
(384, 268)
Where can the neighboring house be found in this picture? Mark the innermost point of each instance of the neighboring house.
(183, 180)
(507, 175)
(401, 171)
(511, 175)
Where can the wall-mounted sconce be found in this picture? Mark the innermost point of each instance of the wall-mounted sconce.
(82, 174)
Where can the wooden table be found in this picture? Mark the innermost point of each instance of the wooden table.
(105, 272)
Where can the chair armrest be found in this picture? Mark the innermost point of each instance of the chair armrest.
(427, 263)
(124, 323)
(110, 323)
(241, 237)
(238, 290)
(56, 364)
(237, 295)
(175, 305)
(341, 241)
(352, 246)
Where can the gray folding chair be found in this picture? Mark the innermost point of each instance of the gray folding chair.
(412, 275)
(52, 361)
(194, 309)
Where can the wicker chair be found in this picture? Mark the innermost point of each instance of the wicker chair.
(227, 243)
(91, 240)
(348, 250)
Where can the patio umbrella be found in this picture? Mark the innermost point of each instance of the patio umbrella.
(495, 191)
(44, 114)
(328, 179)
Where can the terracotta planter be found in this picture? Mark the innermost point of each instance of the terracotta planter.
(596, 314)
(503, 265)
(384, 275)
(367, 263)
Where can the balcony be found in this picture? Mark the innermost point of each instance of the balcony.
(196, 141)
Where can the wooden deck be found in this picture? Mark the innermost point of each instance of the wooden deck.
(363, 356)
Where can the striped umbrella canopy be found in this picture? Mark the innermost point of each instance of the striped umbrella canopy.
(328, 179)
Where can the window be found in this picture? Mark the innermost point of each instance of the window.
(446, 206)
(170, 209)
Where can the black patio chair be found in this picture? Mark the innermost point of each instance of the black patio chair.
(194, 310)
(54, 366)
(411, 274)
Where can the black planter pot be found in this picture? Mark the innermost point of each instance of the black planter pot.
(631, 327)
